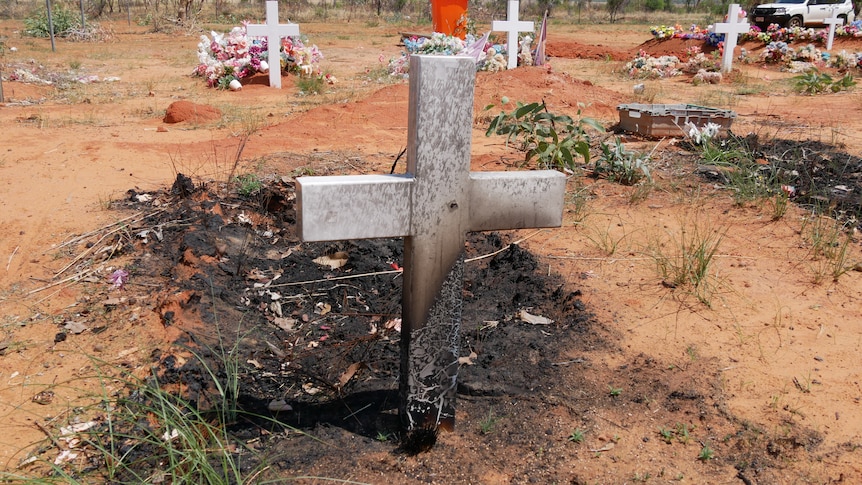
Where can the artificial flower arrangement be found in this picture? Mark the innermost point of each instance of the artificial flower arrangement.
(234, 56)
(773, 33)
(777, 50)
(489, 57)
(645, 66)
(677, 32)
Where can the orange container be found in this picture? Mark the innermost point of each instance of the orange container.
(449, 17)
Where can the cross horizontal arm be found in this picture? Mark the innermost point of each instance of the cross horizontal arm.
(345, 207)
(516, 200)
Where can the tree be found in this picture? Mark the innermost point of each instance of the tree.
(616, 7)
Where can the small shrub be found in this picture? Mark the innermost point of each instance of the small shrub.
(621, 165)
(816, 82)
(311, 85)
(248, 184)
(64, 22)
(552, 141)
(577, 436)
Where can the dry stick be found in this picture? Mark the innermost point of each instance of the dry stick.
(49, 435)
(75, 276)
(96, 231)
(322, 280)
(11, 256)
(350, 277)
(515, 243)
(109, 233)
(86, 251)
(47, 297)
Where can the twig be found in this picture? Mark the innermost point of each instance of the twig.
(515, 243)
(11, 256)
(47, 297)
(322, 280)
(70, 278)
(86, 251)
(579, 360)
(119, 223)
(83, 236)
(392, 170)
(49, 435)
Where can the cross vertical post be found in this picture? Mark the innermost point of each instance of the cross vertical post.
(512, 26)
(832, 22)
(433, 207)
(274, 32)
(731, 29)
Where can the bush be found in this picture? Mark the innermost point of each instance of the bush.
(64, 22)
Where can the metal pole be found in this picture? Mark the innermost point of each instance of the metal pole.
(83, 21)
(51, 25)
(129, 11)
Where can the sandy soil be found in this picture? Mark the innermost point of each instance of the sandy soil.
(772, 360)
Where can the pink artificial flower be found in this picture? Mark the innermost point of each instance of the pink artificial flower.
(118, 279)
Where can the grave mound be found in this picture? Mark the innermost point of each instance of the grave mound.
(180, 111)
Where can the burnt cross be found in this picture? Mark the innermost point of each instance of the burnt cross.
(433, 207)
(274, 32)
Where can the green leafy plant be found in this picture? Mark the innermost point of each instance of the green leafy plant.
(382, 436)
(552, 141)
(737, 163)
(310, 85)
(816, 82)
(706, 453)
(614, 391)
(64, 22)
(844, 84)
(248, 184)
(486, 425)
(682, 432)
(577, 436)
(621, 165)
(666, 434)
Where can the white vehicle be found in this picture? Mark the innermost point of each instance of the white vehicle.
(799, 13)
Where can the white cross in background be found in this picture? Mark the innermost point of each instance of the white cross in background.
(832, 21)
(274, 32)
(432, 206)
(731, 29)
(512, 26)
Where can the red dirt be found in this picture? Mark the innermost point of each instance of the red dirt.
(768, 373)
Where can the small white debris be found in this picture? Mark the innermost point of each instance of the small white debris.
(534, 319)
(279, 405)
(468, 359)
(75, 327)
(310, 389)
(64, 457)
(334, 261)
(76, 428)
(395, 324)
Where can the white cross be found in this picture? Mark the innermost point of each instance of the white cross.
(274, 32)
(433, 206)
(832, 21)
(731, 29)
(512, 26)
